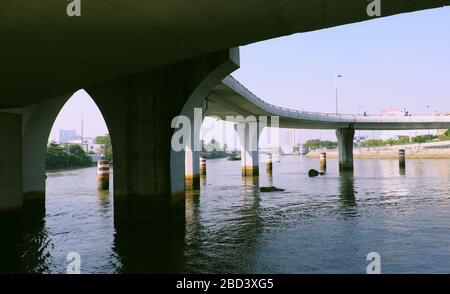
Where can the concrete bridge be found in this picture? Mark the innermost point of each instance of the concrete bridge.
(143, 63)
(230, 99)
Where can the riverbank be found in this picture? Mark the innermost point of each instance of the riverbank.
(387, 154)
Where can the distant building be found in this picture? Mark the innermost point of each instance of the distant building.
(89, 145)
(289, 139)
(65, 136)
(95, 157)
(441, 132)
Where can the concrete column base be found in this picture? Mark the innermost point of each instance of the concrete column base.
(250, 170)
(192, 182)
(248, 133)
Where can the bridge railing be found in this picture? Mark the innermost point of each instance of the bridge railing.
(331, 115)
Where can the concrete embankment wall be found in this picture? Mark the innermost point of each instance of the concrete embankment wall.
(387, 154)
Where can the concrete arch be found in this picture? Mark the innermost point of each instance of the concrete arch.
(149, 175)
(185, 166)
(38, 120)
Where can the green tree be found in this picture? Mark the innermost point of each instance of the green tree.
(106, 141)
(317, 144)
(423, 138)
(403, 140)
(77, 157)
(373, 143)
(102, 139)
(58, 157)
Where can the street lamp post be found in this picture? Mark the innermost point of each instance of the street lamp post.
(336, 76)
(428, 111)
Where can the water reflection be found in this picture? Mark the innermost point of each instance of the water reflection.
(202, 181)
(24, 245)
(231, 227)
(35, 245)
(347, 194)
(11, 236)
(144, 250)
(104, 199)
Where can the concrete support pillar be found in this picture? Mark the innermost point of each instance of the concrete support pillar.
(345, 144)
(248, 133)
(142, 112)
(192, 153)
(192, 170)
(10, 162)
(37, 121)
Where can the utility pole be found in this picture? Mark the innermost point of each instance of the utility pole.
(359, 131)
(336, 76)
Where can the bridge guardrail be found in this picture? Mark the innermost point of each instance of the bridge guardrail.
(334, 115)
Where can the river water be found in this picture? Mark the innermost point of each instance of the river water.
(326, 224)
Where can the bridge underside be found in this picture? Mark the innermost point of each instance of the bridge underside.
(50, 54)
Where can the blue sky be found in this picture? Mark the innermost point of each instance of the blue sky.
(401, 61)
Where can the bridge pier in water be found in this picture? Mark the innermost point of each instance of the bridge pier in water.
(248, 133)
(192, 170)
(36, 121)
(345, 145)
(10, 163)
(10, 190)
(192, 152)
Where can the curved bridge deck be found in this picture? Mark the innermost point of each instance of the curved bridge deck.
(231, 98)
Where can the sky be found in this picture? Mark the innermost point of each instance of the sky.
(398, 62)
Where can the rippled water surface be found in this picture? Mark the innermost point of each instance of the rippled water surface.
(326, 224)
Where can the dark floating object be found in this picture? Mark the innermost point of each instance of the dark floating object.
(315, 173)
(270, 189)
(234, 158)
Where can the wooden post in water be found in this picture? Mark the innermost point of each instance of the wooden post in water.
(103, 175)
(269, 163)
(323, 162)
(202, 166)
(402, 159)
